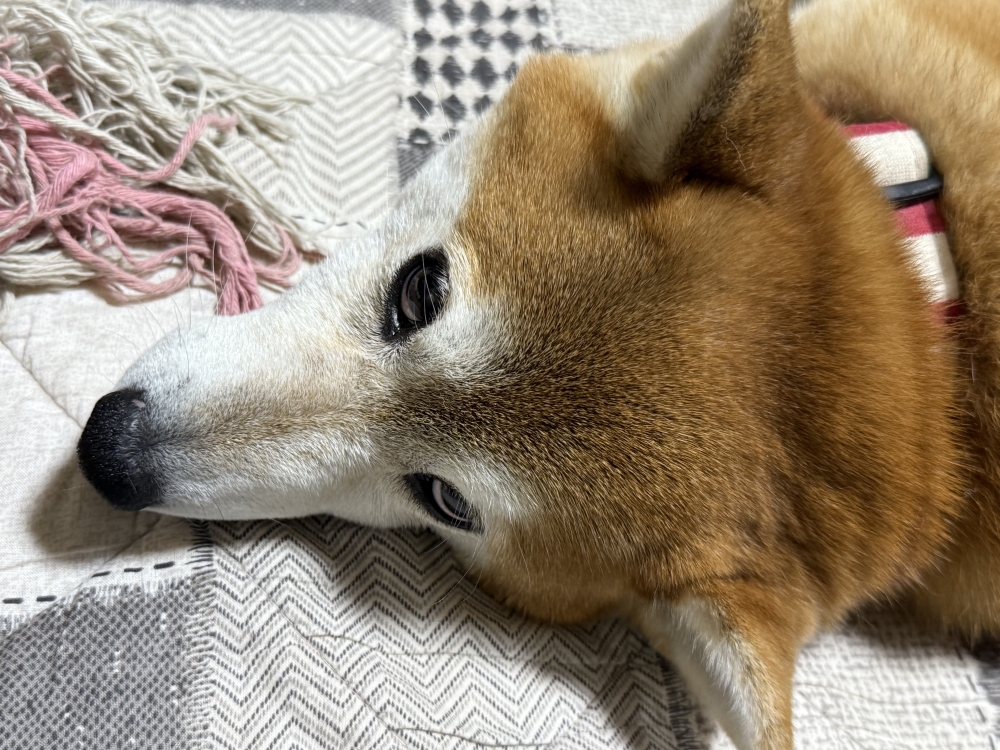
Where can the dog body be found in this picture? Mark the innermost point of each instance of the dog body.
(665, 355)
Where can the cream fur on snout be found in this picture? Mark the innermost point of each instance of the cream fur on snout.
(291, 410)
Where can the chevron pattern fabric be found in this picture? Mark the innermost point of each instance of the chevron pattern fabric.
(386, 11)
(338, 172)
(333, 634)
(355, 638)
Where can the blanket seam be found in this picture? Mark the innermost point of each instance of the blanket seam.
(39, 384)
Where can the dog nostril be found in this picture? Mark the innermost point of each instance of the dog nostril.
(110, 451)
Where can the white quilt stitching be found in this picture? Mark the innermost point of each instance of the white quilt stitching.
(40, 385)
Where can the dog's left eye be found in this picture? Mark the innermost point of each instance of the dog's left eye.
(417, 294)
(444, 502)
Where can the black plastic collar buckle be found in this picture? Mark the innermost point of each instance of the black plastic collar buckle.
(918, 191)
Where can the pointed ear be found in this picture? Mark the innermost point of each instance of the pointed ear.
(723, 103)
(735, 644)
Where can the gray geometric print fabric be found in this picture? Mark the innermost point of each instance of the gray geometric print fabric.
(331, 635)
(460, 57)
(988, 654)
(105, 671)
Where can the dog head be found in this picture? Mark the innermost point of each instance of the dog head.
(593, 345)
(554, 350)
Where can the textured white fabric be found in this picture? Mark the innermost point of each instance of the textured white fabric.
(59, 352)
(338, 172)
(597, 24)
(931, 256)
(894, 157)
(886, 686)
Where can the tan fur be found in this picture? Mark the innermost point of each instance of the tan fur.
(724, 385)
(948, 88)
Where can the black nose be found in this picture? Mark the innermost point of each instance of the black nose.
(111, 451)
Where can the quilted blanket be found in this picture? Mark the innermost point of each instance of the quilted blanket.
(137, 630)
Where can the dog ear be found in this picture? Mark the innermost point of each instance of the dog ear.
(735, 644)
(723, 103)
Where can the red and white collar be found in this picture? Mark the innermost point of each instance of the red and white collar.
(901, 165)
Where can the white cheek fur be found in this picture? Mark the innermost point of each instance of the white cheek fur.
(323, 330)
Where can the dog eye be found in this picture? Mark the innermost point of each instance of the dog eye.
(417, 294)
(443, 502)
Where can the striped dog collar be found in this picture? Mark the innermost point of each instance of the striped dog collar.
(901, 165)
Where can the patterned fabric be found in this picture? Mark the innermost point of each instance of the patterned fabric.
(989, 657)
(338, 173)
(896, 154)
(378, 639)
(460, 57)
(80, 674)
(135, 630)
(599, 24)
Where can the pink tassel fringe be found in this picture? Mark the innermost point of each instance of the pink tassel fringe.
(91, 202)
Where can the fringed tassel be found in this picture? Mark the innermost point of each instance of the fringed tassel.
(84, 183)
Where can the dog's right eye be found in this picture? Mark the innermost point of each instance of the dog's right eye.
(417, 295)
(443, 502)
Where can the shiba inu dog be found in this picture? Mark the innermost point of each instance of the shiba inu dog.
(644, 341)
